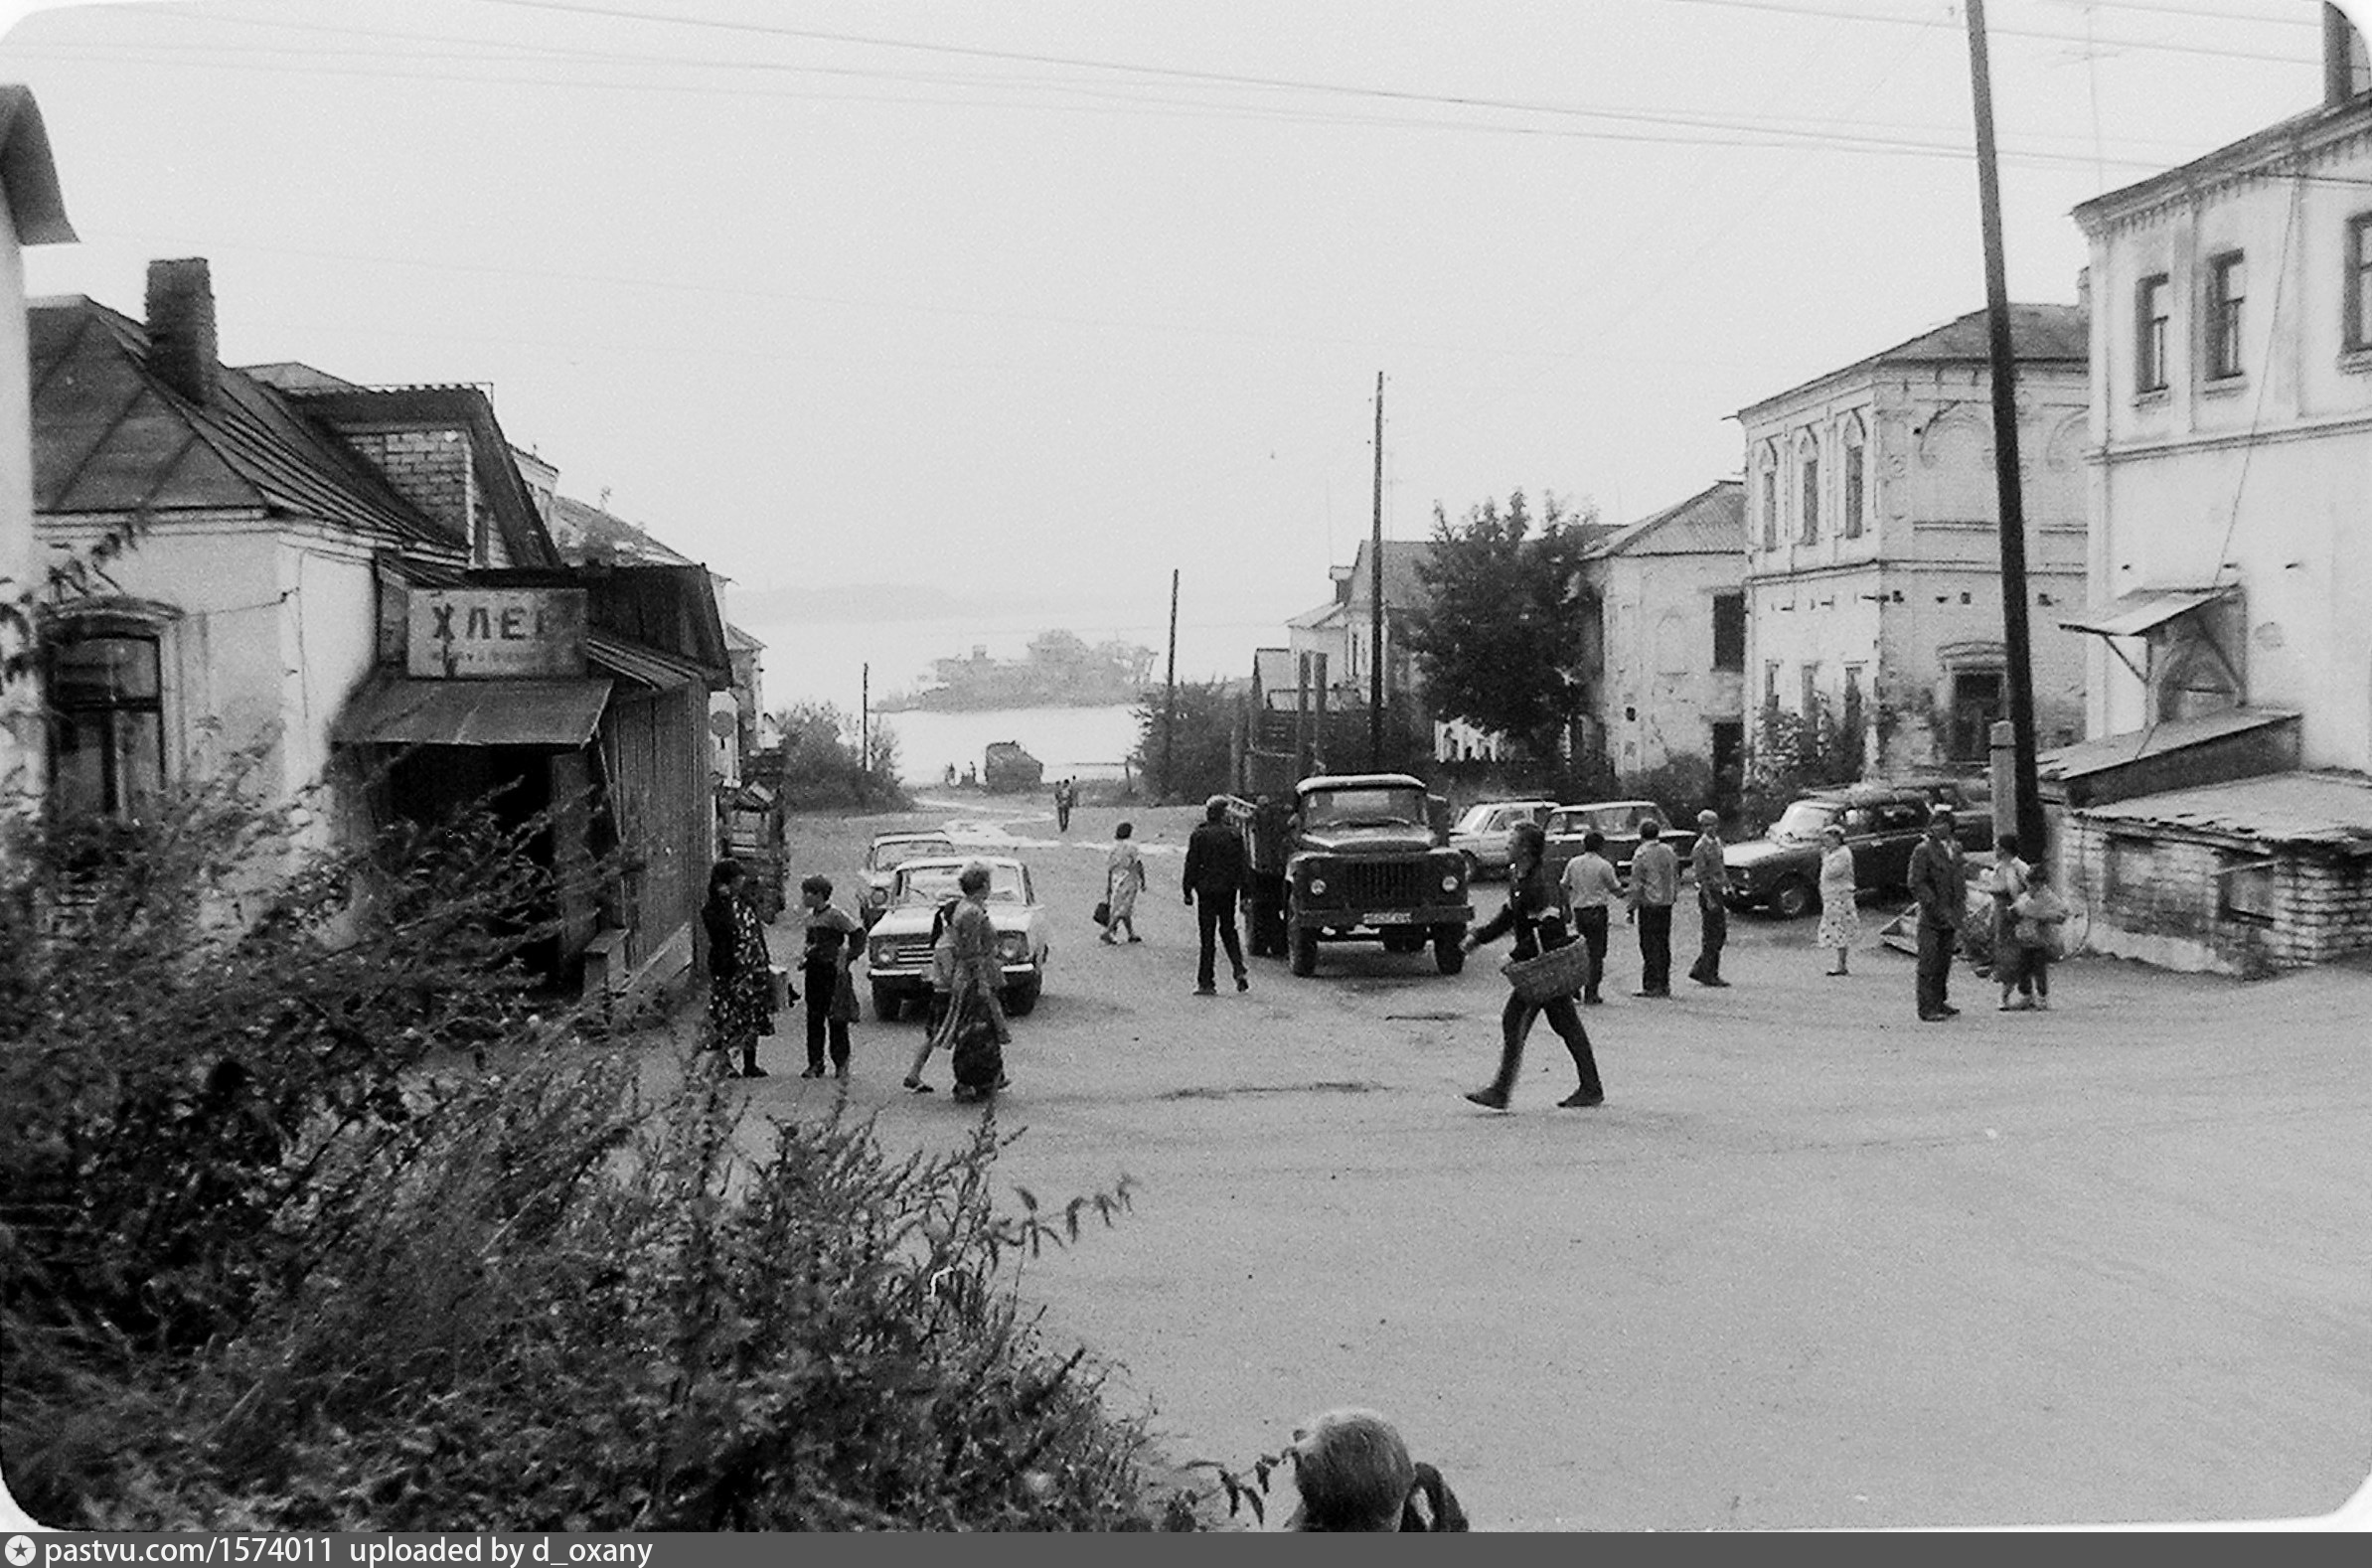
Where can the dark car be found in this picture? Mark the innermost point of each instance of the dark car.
(1883, 823)
(1619, 821)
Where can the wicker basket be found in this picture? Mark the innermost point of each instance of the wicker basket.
(1560, 972)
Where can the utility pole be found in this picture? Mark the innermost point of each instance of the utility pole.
(2016, 649)
(1375, 602)
(865, 719)
(1170, 700)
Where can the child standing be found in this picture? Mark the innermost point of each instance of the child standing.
(833, 937)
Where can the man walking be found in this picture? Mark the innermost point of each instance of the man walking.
(1215, 874)
(1712, 899)
(1937, 882)
(1654, 886)
(1591, 887)
(1066, 795)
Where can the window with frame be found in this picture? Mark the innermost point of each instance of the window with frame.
(1810, 695)
(2245, 890)
(1771, 684)
(106, 722)
(1729, 631)
(2152, 311)
(2359, 281)
(2133, 867)
(2227, 294)
(1857, 478)
(1766, 497)
(1807, 464)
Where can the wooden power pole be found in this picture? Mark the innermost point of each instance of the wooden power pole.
(2016, 649)
(1170, 700)
(1375, 602)
(865, 719)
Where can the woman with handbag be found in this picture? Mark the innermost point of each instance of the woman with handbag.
(832, 935)
(1124, 878)
(1532, 913)
(740, 974)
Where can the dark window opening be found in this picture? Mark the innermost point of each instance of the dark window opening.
(1729, 631)
(2150, 332)
(2227, 292)
(107, 725)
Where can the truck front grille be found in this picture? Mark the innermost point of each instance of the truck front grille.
(1393, 884)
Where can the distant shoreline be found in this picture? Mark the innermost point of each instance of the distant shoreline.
(934, 703)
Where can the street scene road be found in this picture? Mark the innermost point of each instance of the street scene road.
(1812, 1264)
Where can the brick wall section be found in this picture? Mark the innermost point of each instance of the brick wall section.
(428, 468)
(2321, 903)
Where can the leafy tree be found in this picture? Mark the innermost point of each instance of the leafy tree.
(1198, 753)
(1497, 641)
(820, 764)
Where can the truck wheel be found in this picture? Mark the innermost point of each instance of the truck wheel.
(886, 1003)
(1021, 996)
(1304, 950)
(1449, 952)
(1474, 868)
(1792, 899)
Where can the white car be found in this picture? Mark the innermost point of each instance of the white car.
(882, 857)
(898, 953)
(1482, 834)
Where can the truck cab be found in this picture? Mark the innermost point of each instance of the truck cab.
(1359, 856)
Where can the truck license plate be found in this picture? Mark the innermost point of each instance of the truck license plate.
(1386, 917)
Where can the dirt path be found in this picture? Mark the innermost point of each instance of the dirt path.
(1812, 1264)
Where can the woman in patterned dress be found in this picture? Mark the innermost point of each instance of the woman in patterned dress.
(1841, 921)
(740, 971)
(1124, 878)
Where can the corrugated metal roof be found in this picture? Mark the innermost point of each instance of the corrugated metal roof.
(2110, 752)
(585, 533)
(2332, 809)
(396, 712)
(2132, 614)
(109, 437)
(641, 662)
(1710, 523)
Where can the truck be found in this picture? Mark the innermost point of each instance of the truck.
(1352, 858)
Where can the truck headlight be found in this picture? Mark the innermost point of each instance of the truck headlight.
(1449, 881)
(1317, 884)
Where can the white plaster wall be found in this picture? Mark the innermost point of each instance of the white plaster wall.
(21, 766)
(1659, 619)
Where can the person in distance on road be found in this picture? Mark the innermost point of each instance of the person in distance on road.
(1124, 877)
(1591, 889)
(1532, 913)
(1654, 887)
(1215, 874)
(1352, 1472)
(1713, 899)
(1939, 885)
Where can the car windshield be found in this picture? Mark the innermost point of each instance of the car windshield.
(1802, 821)
(1566, 822)
(1350, 808)
(1476, 818)
(936, 883)
(886, 856)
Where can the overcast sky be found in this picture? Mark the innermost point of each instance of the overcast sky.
(938, 323)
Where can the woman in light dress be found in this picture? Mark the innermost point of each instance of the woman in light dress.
(1124, 877)
(1841, 921)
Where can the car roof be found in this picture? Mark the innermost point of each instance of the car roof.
(922, 835)
(1326, 781)
(1602, 805)
(959, 861)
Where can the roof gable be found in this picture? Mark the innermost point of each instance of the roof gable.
(1710, 523)
(2038, 335)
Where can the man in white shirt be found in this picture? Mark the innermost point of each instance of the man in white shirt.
(1591, 887)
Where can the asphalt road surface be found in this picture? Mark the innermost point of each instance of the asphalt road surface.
(1812, 1263)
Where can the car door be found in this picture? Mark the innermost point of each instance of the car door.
(1900, 824)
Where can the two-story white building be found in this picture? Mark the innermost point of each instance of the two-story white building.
(2221, 814)
(1873, 577)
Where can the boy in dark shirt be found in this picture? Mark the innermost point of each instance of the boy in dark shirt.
(832, 935)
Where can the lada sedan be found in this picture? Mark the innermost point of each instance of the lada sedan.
(1482, 834)
(887, 852)
(897, 952)
(1618, 821)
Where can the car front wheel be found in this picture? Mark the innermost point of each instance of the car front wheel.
(1449, 949)
(1792, 899)
(1302, 953)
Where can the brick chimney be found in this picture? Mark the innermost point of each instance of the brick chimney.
(181, 329)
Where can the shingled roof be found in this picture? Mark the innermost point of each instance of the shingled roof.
(110, 437)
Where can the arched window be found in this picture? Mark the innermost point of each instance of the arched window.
(1856, 444)
(106, 717)
(1807, 470)
(1767, 493)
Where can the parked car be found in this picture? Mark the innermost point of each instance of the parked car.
(898, 953)
(882, 857)
(1482, 834)
(1619, 821)
(1883, 823)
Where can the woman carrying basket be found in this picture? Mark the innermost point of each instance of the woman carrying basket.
(1532, 913)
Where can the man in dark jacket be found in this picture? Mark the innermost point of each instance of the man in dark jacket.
(1215, 874)
(1937, 885)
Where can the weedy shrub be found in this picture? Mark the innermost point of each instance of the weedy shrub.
(416, 1259)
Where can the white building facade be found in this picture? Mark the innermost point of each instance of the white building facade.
(1873, 576)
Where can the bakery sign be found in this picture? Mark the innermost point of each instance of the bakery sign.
(495, 633)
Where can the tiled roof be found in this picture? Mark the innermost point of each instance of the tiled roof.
(1710, 523)
(109, 437)
(2279, 808)
(585, 532)
(2037, 333)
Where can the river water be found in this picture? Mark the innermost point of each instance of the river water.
(1073, 743)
